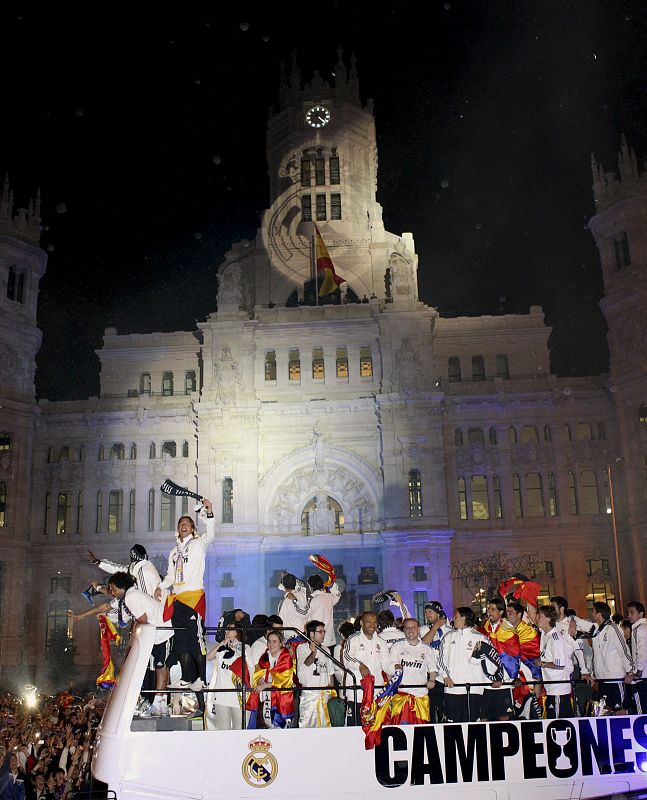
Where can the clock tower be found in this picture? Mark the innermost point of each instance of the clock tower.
(322, 160)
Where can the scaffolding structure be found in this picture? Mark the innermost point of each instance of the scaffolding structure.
(483, 576)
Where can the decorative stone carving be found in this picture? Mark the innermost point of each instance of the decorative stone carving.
(117, 471)
(290, 166)
(168, 467)
(230, 294)
(10, 366)
(402, 273)
(409, 369)
(475, 456)
(318, 447)
(227, 377)
(532, 454)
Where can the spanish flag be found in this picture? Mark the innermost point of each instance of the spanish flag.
(108, 632)
(325, 267)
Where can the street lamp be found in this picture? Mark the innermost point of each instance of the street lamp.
(614, 528)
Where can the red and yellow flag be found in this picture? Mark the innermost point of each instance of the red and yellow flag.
(325, 267)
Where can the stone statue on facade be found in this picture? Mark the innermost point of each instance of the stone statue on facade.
(322, 518)
(227, 377)
(402, 273)
(230, 294)
(409, 369)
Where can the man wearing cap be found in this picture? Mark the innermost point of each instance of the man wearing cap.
(432, 634)
(146, 576)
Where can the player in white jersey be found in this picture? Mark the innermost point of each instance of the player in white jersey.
(636, 615)
(146, 576)
(432, 632)
(293, 608)
(143, 608)
(314, 671)
(415, 658)
(556, 665)
(364, 654)
(321, 606)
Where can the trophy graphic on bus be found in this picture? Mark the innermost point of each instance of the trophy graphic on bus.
(561, 737)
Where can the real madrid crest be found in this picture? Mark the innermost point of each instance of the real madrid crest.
(260, 767)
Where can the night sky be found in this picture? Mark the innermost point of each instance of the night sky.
(145, 130)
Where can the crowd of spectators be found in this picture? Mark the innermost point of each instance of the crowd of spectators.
(46, 745)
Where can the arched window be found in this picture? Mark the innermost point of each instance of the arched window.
(502, 369)
(529, 434)
(534, 495)
(516, 493)
(270, 365)
(63, 512)
(99, 516)
(572, 494)
(117, 452)
(133, 452)
(167, 516)
(492, 435)
(547, 434)
(64, 454)
(512, 435)
(3, 504)
(151, 509)
(152, 450)
(458, 437)
(568, 436)
(169, 449)
(318, 365)
(131, 511)
(227, 500)
(480, 503)
(341, 364)
(583, 431)
(462, 498)
(622, 251)
(331, 510)
(552, 495)
(475, 436)
(185, 449)
(415, 493)
(496, 495)
(115, 510)
(294, 367)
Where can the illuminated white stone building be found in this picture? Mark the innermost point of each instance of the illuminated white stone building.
(370, 429)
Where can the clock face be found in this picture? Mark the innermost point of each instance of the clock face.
(318, 116)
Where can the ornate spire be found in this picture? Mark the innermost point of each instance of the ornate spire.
(353, 81)
(609, 188)
(341, 74)
(23, 223)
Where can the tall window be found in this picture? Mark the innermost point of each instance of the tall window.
(306, 208)
(151, 509)
(333, 166)
(478, 368)
(5, 442)
(318, 365)
(79, 512)
(270, 365)
(589, 499)
(294, 366)
(167, 384)
(185, 449)
(189, 382)
(512, 435)
(475, 436)
(419, 602)
(131, 511)
(496, 496)
(101, 455)
(15, 285)
(480, 504)
(572, 494)
(227, 500)
(492, 435)
(57, 619)
(99, 516)
(552, 495)
(462, 498)
(454, 369)
(622, 252)
(321, 207)
(306, 171)
(62, 512)
(335, 205)
(341, 364)
(642, 415)
(365, 363)
(458, 437)
(169, 449)
(3, 504)
(65, 453)
(117, 452)
(152, 450)
(320, 170)
(415, 493)
(502, 369)
(568, 435)
(547, 434)
(516, 494)
(47, 509)
(167, 517)
(534, 495)
(606, 491)
(529, 434)
(583, 431)
(115, 510)
(145, 383)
